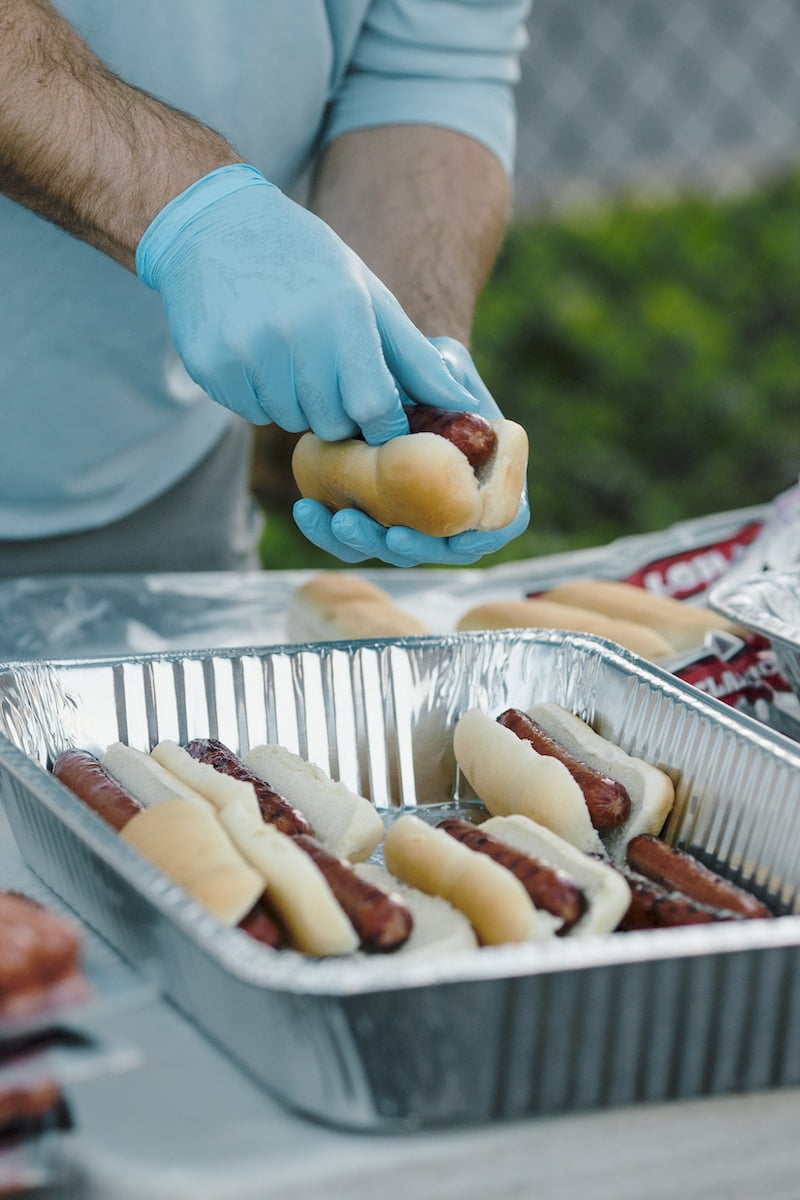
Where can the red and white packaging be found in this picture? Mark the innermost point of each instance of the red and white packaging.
(743, 672)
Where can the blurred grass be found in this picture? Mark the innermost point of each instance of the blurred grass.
(652, 351)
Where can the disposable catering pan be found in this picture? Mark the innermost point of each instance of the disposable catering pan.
(392, 1044)
(769, 604)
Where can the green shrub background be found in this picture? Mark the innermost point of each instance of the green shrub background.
(652, 351)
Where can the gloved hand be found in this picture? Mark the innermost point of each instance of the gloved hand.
(353, 536)
(278, 320)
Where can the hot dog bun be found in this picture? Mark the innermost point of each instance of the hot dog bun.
(510, 777)
(682, 624)
(344, 822)
(651, 790)
(185, 841)
(338, 604)
(607, 894)
(296, 888)
(538, 613)
(490, 897)
(144, 776)
(420, 480)
(438, 927)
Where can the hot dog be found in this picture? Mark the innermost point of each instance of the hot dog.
(493, 900)
(548, 887)
(173, 835)
(40, 954)
(514, 880)
(338, 604)
(317, 901)
(607, 800)
(679, 871)
(510, 776)
(424, 479)
(655, 907)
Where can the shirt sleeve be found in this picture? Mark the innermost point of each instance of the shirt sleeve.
(451, 63)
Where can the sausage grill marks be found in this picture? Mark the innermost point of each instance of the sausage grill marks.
(86, 776)
(655, 907)
(548, 887)
(607, 801)
(274, 809)
(676, 870)
(470, 433)
(381, 922)
(668, 886)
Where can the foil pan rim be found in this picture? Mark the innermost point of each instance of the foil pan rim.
(291, 972)
(668, 681)
(735, 599)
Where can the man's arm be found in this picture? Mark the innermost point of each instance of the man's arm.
(426, 209)
(81, 147)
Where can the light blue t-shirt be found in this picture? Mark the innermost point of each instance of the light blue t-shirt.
(98, 416)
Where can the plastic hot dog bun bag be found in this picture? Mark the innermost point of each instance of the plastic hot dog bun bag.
(683, 625)
(454, 471)
(539, 612)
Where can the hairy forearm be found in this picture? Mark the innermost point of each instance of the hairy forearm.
(426, 208)
(81, 147)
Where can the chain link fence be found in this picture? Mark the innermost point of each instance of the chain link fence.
(655, 95)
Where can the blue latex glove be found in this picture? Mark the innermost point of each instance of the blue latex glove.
(353, 536)
(280, 321)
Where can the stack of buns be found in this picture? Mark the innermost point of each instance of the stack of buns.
(652, 625)
(343, 605)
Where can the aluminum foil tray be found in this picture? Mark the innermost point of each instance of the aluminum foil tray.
(769, 604)
(393, 1045)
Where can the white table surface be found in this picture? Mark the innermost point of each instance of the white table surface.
(187, 1124)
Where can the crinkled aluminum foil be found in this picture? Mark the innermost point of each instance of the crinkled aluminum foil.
(768, 604)
(94, 616)
(387, 1043)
